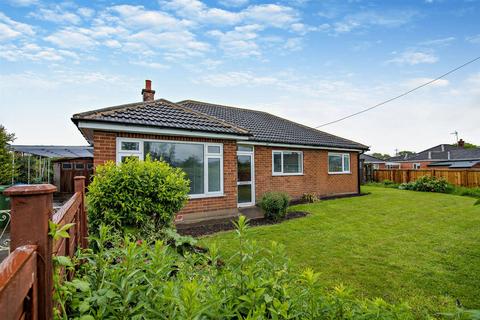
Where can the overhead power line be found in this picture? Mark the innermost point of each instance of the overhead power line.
(400, 95)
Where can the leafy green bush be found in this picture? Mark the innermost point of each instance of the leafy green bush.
(275, 204)
(131, 280)
(427, 184)
(309, 198)
(136, 194)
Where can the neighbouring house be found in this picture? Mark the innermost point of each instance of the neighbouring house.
(441, 156)
(231, 155)
(376, 163)
(62, 163)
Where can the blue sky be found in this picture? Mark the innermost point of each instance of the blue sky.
(309, 61)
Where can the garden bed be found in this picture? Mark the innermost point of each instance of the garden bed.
(227, 225)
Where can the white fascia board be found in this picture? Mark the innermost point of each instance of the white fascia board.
(297, 146)
(152, 130)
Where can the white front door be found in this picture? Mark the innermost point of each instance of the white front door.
(245, 178)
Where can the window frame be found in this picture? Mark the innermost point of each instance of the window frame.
(416, 165)
(341, 155)
(206, 155)
(282, 173)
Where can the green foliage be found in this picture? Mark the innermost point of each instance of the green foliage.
(275, 204)
(409, 236)
(136, 194)
(131, 280)
(405, 153)
(6, 166)
(57, 232)
(427, 184)
(309, 198)
(383, 156)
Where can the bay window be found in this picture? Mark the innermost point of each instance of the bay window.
(287, 163)
(338, 163)
(202, 162)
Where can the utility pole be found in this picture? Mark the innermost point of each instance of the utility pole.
(396, 151)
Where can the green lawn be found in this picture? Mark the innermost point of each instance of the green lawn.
(421, 248)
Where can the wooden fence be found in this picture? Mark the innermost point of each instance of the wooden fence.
(26, 275)
(463, 178)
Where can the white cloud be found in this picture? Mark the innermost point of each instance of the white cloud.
(234, 79)
(368, 19)
(77, 38)
(241, 41)
(138, 17)
(86, 12)
(415, 82)
(293, 44)
(10, 28)
(474, 39)
(147, 64)
(22, 3)
(56, 15)
(234, 3)
(414, 57)
(442, 42)
(273, 15)
(34, 52)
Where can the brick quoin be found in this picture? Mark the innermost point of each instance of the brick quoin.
(314, 180)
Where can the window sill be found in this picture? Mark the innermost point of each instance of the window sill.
(349, 172)
(286, 174)
(203, 196)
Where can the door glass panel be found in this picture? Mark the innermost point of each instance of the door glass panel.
(244, 193)
(244, 168)
(213, 174)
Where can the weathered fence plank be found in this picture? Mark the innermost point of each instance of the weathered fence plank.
(459, 177)
(26, 276)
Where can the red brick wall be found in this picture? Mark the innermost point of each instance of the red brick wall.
(315, 178)
(105, 149)
(409, 165)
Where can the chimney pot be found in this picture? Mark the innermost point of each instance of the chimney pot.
(147, 93)
(461, 143)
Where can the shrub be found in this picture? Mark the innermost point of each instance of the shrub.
(309, 198)
(136, 194)
(275, 204)
(427, 184)
(131, 280)
(388, 182)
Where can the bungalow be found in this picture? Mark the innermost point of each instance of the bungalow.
(231, 155)
(445, 156)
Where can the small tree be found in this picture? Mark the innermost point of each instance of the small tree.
(6, 166)
(136, 194)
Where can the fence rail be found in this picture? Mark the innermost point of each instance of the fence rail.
(463, 178)
(26, 275)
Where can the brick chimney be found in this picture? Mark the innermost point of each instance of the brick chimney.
(461, 143)
(147, 93)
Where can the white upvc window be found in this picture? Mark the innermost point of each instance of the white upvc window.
(338, 163)
(416, 165)
(202, 162)
(287, 163)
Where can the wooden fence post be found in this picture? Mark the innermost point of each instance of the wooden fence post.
(79, 183)
(31, 210)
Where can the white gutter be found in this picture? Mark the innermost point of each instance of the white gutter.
(152, 130)
(268, 144)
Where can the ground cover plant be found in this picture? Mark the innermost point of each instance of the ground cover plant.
(418, 247)
(128, 279)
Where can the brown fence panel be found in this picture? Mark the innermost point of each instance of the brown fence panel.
(458, 177)
(18, 284)
(26, 283)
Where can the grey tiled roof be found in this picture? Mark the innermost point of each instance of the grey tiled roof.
(192, 115)
(266, 127)
(160, 113)
(369, 159)
(450, 152)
